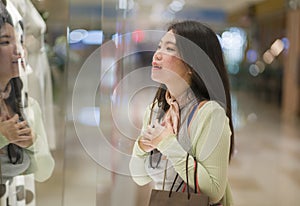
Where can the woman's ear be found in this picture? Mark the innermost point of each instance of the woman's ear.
(188, 68)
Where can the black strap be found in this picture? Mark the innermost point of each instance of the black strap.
(158, 161)
(187, 179)
(187, 175)
(179, 186)
(170, 193)
(195, 175)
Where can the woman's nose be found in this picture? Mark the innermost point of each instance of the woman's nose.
(19, 49)
(157, 55)
(15, 49)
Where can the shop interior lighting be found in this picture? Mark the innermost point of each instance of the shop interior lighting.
(277, 47)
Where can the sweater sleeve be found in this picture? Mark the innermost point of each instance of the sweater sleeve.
(3, 141)
(42, 161)
(138, 158)
(210, 137)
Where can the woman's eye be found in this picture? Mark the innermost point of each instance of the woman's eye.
(158, 47)
(170, 49)
(4, 42)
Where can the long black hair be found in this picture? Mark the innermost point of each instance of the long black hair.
(15, 97)
(205, 38)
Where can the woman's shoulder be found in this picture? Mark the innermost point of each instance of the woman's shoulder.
(209, 106)
(205, 110)
(32, 105)
(32, 102)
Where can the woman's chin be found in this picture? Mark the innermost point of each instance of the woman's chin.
(15, 74)
(155, 78)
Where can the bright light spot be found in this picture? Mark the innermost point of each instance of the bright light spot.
(233, 68)
(252, 117)
(117, 38)
(177, 5)
(277, 47)
(126, 4)
(261, 66)
(122, 4)
(293, 4)
(138, 36)
(89, 116)
(286, 43)
(234, 38)
(77, 35)
(268, 57)
(233, 44)
(254, 70)
(251, 55)
(94, 37)
(227, 39)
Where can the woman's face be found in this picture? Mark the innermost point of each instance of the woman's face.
(167, 66)
(8, 54)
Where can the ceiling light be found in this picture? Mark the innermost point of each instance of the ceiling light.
(77, 35)
(277, 47)
(177, 5)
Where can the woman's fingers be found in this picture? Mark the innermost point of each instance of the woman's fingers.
(153, 131)
(24, 138)
(146, 142)
(146, 145)
(147, 136)
(24, 131)
(14, 119)
(22, 124)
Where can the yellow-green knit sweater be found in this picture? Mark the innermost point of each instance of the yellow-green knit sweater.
(210, 133)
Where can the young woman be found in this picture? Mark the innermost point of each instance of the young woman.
(189, 114)
(23, 143)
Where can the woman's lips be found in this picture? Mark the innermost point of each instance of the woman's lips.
(156, 67)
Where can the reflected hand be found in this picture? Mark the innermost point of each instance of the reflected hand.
(16, 132)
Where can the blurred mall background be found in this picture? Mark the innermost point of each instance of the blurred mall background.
(261, 44)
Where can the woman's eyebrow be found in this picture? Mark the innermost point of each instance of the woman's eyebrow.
(170, 42)
(167, 42)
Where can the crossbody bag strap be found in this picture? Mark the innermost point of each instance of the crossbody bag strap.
(191, 115)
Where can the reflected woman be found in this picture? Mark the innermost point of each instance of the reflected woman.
(23, 144)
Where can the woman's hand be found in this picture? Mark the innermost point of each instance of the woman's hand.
(26, 138)
(16, 132)
(154, 134)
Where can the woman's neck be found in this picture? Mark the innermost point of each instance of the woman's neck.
(183, 95)
(177, 90)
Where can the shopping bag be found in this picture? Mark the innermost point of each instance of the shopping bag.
(170, 198)
(161, 198)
